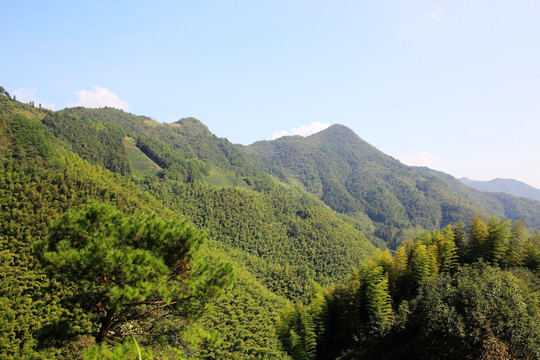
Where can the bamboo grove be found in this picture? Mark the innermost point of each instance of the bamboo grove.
(451, 293)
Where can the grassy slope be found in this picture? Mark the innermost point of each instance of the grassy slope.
(140, 163)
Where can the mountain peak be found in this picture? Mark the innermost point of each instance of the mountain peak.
(192, 126)
(342, 137)
(337, 130)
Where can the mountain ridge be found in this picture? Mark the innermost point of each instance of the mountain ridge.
(280, 237)
(355, 178)
(509, 186)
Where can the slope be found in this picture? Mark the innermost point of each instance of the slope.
(180, 144)
(496, 203)
(508, 186)
(40, 180)
(280, 232)
(354, 178)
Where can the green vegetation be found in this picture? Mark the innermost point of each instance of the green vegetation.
(41, 317)
(297, 237)
(500, 204)
(139, 162)
(507, 186)
(101, 144)
(137, 270)
(354, 178)
(103, 216)
(444, 295)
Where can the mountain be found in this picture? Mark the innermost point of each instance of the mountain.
(220, 189)
(386, 200)
(500, 204)
(287, 215)
(356, 179)
(508, 186)
(278, 239)
(42, 178)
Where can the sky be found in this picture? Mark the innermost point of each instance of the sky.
(452, 85)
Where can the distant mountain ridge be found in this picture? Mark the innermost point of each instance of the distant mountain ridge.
(508, 186)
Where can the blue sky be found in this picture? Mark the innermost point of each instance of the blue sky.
(454, 85)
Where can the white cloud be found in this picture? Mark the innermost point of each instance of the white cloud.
(304, 130)
(100, 97)
(421, 159)
(27, 95)
(435, 13)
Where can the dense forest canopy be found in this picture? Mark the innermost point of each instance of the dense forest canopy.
(449, 294)
(124, 237)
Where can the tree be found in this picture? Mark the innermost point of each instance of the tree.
(461, 241)
(518, 243)
(423, 264)
(447, 255)
(297, 333)
(136, 269)
(479, 313)
(498, 241)
(478, 233)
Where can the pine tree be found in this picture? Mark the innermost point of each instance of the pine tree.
(130, 269)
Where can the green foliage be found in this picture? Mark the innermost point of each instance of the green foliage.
(356, 179)
(35, 193)
(478, 233)
(140, 163)
(129, 349)
(278, 237)
(241, 324)
(508, 186)
(177, 146)
(297, 237)
(39, 181)
(425, 302)
(178, 165)
(130, 268)
(502, 205)
(480, 312)
(297, 333)
(97, 142)
(26, 304)
(348, 315)
(30, 141)
(40, 314)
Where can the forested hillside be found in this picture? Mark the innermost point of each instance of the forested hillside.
(279, 237)
(456, 293)
(287, 237)
(46, 313)
(124, 237)
(501, 204)
(354, 178)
